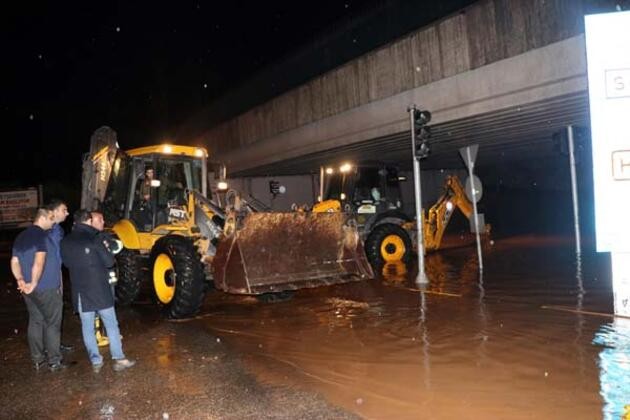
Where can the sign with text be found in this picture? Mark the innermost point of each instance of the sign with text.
(17, 207)
(618, 83)
(608, 58)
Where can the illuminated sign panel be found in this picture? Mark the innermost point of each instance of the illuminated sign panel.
(608, 57)
(18, 207)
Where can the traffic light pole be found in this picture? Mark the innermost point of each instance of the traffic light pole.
(422, 276)
(574, 190)
(321, 184)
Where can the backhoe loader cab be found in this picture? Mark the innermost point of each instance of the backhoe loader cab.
(148, 185)
(369, 190)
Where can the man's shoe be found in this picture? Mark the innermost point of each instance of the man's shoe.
(123, 364)
(55, 367)
(39, 365)
(97, 367)
(66, 348)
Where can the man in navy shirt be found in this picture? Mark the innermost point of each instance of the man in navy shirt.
(60, 213)
(35, 266)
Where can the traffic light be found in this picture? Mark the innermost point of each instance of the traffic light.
(420, 120)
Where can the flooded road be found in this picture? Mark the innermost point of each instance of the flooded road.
(531, 338)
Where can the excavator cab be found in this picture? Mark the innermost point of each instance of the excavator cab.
(148, 186)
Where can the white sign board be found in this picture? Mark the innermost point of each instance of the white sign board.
(473, 188)
(608, 56)
(469, 155)
(17, 207)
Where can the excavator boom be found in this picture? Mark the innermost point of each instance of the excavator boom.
(438, 216)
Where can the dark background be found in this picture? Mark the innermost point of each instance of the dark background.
(143, 68)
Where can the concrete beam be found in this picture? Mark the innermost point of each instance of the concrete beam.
(544, 73)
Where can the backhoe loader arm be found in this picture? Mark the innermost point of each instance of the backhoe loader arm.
(459, 196)
(97, 167)
(440, 213)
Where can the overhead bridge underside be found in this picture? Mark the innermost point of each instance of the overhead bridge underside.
(516, 133)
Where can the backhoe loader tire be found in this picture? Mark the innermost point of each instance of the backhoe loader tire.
(129, 276)
(186, 275)
(387, 243)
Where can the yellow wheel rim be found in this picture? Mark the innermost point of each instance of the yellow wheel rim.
(393, 248)
(164, 278)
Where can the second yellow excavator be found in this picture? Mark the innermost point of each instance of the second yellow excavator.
(371, 192)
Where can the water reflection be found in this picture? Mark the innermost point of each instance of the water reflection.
(461, 347)
(394, 272)
(341, 313)
(484, 333)
(461, 276)
(580, 281)
(445, 276)
(614, 368)
(424, 333)
(165, 350)
(580, 321)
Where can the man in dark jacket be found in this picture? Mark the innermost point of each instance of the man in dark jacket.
(89, 263)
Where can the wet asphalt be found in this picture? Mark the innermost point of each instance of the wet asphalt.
(182, 372)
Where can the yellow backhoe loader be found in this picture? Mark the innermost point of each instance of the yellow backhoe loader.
(155, 200)
(371, 192)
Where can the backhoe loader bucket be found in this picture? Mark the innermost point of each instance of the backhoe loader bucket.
(273, 252)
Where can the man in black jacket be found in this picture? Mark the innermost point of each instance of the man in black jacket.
(89, 263)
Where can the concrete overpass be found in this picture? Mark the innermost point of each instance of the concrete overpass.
(505, 74)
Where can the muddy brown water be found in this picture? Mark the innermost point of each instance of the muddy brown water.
(530, 338)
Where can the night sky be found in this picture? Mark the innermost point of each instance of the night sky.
(142, 68)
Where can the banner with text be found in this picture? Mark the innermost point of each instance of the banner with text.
(17, 207)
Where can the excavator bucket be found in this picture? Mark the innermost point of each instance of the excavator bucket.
(97, 167)
(274, 252)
